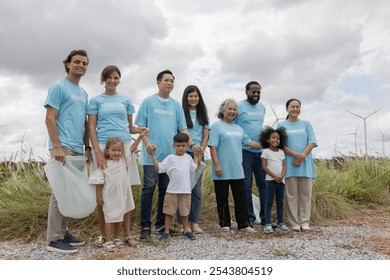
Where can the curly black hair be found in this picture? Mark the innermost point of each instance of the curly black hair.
(266, 133)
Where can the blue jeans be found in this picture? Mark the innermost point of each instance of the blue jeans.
(151, 177)
(272, 189)
(251, 162)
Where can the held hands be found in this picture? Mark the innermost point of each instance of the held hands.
(198, 151)
(278, 179)
(299, 158)
(144, 131)
(151, 149)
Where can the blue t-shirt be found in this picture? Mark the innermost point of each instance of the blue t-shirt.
(196, 131)
(228, 140)
(112, 113)
(300, 134)
(70, 100)
(251, 119)
(164, 118)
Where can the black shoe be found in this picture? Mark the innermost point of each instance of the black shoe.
(251, 224)
(172, 232)
(61, 246)
(145, 234)
(73, 240)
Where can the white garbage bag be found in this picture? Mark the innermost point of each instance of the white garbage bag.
(195, 175)
(69, 183)
(256, 208)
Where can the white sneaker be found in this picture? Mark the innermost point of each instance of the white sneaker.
(196, 229)
(247, 229)
(296, 228)
(306, 228)
(225, 228)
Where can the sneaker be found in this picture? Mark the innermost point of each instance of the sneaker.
(61, 246)
(73, 240)
(282, 227)
(196, 229)
(225, 228)
(161, 230)
(189, 235)
(268, 229)
(164, 236)
(145, 234)
(305, 228)
(247, 229)
(296, 228)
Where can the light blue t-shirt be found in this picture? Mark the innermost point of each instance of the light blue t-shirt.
(196, 131)
(228, 139)
(251, 119)
(164, 118)
(300, 134)
(111, 116)
(70, 100)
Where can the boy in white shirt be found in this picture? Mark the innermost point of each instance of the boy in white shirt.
(178, 167)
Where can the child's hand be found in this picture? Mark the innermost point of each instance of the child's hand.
(144, 132)
(278, 179)
(151, 149)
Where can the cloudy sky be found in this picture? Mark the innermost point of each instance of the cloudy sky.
(332, 55)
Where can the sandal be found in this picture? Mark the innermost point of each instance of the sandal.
(118, 243)
(131, 242)
(110, 246)
(100, 241)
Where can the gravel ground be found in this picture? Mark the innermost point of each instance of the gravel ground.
(343, 242)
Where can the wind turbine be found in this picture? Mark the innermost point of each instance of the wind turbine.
(355, 136)
(384, 138)
(276, 116)
(365, 125)
(21, 141)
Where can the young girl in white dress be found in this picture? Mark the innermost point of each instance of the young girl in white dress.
(113, 191)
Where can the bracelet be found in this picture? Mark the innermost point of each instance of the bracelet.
(88, 148)
(191, 146)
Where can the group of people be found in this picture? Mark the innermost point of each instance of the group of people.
(174, 137)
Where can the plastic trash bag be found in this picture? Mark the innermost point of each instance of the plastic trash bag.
(256, 208)
(195, 175)
(69, 183)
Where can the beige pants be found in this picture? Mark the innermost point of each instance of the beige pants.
(298, 200)
(57, 224)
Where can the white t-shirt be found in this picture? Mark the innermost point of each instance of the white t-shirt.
(178, 169)
(274, 162)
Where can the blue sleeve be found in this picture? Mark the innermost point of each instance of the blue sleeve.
(181, 120)
(214, 137)
(142, 115)
(92, 108)
(311, 138)
(54, 97)
(245, 138)
(130, 107)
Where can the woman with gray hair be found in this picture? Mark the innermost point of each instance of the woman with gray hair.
(226, 141)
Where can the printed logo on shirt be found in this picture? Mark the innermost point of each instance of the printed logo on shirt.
(255, 113)
(234, 133)
(301, 130)
(78, 98)
(112, 105)
(163, 112)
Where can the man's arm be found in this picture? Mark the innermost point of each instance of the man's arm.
(51, 125)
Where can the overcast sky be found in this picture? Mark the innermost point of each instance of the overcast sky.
(332, 55)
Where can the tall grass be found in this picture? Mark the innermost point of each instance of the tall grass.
(339, 188)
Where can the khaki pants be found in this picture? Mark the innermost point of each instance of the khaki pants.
(298, 200)
(57, 224)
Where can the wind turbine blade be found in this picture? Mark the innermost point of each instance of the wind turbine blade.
(373, 112)
(273, 111)
(354, 114)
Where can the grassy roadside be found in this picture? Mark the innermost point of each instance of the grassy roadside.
(341, 186)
